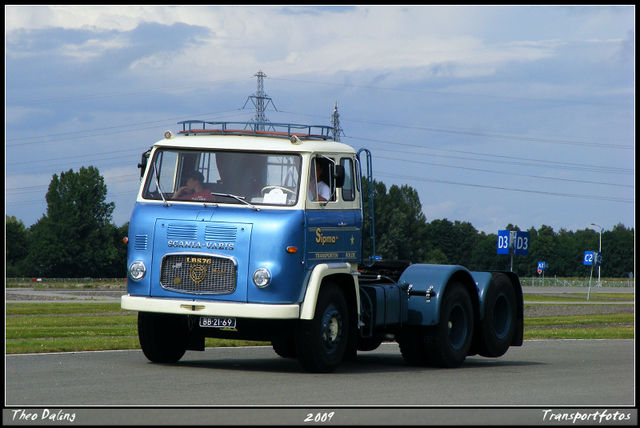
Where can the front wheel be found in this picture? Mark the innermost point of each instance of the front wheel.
(321, 342)
(284, 347)
(163, 338)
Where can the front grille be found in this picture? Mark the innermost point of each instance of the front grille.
(195, 273)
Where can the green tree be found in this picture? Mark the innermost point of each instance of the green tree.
(399, 224)
(618, 252)
(75, 238)
(485, 257)
(17, 245)
(118, 269)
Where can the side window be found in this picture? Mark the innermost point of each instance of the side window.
(348, 190)
(321, 186)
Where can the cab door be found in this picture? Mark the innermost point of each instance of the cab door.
(332, 227)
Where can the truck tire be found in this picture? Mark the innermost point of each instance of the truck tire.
(163, 338)
(499, 325)
(370, 343)
(412, 346)
(448, 342)
(321, 342)
(284, 347)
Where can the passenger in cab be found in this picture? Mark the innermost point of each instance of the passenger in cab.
(318, 189)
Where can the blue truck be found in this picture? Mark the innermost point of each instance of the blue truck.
(254, 231)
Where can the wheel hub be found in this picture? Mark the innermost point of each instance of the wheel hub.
(457, 325)
(330, 329)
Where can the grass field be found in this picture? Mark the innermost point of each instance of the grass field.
(72, 327)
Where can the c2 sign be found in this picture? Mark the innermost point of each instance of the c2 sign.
(588, 258)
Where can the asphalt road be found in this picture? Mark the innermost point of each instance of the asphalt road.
(234, 386)
(553, 374)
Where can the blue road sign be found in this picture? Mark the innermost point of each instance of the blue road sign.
(503, 241)
(597, 258)
(543, 266)
(522, 244)
(588, 258)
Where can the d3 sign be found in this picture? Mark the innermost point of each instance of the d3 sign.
(503, 241)
(522, 244)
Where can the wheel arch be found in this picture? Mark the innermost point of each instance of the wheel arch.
(340, 274)
(426, 285)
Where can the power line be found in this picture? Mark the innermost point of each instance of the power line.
(49, 139)
(507, 173)
(119, 94)
(569, 195)
(483, 134)
(424, 91)
(501, 136)
(514, 160)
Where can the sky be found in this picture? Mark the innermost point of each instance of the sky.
(496, 115)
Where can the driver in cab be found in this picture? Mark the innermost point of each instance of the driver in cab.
(194, 191)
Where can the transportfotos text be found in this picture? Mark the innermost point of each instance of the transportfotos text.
(549, 415)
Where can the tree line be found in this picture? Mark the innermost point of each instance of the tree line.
(402, 232)
(76, 238)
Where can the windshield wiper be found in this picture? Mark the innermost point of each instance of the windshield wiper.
(237, 198)
(155, 174)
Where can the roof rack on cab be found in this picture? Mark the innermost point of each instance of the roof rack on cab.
(282, 130)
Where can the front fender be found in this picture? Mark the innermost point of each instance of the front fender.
(320, 272)
(425, 287)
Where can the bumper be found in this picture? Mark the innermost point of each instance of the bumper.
(219, 309)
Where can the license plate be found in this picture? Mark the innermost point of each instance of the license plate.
(217, 322)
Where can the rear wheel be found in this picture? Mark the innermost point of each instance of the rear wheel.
(164, 338)
(412, 347)
(370, 343)
(448, 342)
(321, 342)
(499, 323)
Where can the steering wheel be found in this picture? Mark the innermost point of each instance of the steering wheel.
(264, 189)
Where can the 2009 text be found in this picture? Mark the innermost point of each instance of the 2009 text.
(319, 417)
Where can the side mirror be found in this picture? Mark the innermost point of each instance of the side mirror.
(339, 175)
(143, 162)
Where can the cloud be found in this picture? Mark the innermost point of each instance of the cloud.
(98, 85)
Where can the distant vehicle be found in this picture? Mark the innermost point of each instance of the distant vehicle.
(251, 249)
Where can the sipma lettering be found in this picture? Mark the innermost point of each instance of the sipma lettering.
(321, 239)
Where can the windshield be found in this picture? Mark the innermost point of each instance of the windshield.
(223, 177)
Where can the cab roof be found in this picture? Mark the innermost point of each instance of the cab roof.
(253, 136)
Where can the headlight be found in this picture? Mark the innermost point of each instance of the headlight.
(137, 270)
(261, 277)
